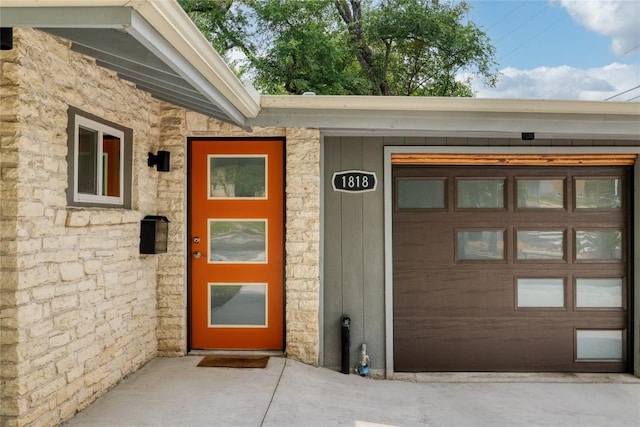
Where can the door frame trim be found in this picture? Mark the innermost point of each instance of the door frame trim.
(189, 144)
(389, 151)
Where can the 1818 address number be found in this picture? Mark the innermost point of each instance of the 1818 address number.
(354, 181)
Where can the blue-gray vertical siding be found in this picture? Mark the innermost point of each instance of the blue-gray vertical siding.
(353, 238)
(353, 253)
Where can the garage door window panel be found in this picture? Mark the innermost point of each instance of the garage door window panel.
(480, 245)
(540, 193)
(599, 293)
(421, 193)
(598, 245)
(537, 293)
(601, 193)
(599, 344)
(536, 245)
(475, 193)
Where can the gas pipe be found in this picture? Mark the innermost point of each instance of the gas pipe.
(363, 366)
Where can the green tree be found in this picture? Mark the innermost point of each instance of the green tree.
(337, 47)
(305, 49)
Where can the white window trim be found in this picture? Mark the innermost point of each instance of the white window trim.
(81, 121)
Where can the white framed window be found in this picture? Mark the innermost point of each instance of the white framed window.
(99, 162)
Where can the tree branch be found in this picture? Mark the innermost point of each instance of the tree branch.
(351, 14)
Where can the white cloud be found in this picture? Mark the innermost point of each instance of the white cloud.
(565, 82)
(617, 19)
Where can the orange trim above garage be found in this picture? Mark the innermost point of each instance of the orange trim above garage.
(514, 159)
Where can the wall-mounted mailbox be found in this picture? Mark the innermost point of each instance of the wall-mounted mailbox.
(154, 233)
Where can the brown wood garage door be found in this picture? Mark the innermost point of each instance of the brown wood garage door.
(510, 268)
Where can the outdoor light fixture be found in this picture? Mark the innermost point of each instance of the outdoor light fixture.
(160, 161)
(528, 136)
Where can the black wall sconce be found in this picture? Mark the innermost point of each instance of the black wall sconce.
(160, 161)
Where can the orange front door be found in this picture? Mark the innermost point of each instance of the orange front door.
(236, 244)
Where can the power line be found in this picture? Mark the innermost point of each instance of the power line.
(544, 30)
(635, 97)
(521, 25)
(621, 93)
(535, 36)
(538, 34)
(633, 48)
(506, 15)
(563, 85)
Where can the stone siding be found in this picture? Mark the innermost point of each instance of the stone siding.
(302, 239)
(172, 271)
(77, 300)
(80, 308)
(302, 246)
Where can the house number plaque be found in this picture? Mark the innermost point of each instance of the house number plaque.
(354, 181)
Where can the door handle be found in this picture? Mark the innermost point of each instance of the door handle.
(197, 254)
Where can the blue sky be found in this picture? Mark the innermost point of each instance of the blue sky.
(562, 49)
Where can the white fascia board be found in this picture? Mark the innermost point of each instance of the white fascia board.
(168, 20)
(450, 104)
(465, 117)
(442, 124)
(177, 28)
(148, 37)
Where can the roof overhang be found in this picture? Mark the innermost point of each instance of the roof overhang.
(151, 43)
(452, 117)
(155, 45)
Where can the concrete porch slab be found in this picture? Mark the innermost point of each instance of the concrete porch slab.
(174, 392)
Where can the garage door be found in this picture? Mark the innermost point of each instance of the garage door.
(511, 268)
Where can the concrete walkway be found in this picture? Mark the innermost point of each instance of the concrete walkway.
(174, 392)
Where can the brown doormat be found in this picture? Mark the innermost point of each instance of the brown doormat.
(234, 362)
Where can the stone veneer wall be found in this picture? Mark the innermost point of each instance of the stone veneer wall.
(302, 240)
(172, 271)
(77, 300)
(80, 308)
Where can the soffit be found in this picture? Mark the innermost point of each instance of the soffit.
(152, 44)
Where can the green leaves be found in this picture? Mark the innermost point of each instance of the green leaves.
(424, 45)
(306, 54)
(337, 47)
